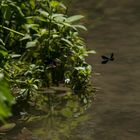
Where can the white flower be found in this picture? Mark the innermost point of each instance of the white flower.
(67, 81)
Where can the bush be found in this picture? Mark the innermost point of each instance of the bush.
(43, 47)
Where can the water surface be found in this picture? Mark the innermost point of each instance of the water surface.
(115, 114)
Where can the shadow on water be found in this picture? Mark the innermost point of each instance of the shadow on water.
(114, 26)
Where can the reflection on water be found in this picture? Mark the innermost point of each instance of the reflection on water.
(56, 114)
(115, 114)
(46, 128)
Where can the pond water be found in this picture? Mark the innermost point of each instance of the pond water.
(115, 114)
(113, 27)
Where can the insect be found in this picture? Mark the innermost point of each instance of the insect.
(107, 59)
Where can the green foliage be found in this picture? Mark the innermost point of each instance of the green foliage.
(6, 100)
(41, 46)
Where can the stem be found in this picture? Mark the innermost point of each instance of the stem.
(11, 30)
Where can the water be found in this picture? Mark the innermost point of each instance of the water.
(115, 114)
(113, 26)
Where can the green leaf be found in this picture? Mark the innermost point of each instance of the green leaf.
(54, 4)
(92, 52)
(63, 6)
(17, 8)
(43, 13)
(67, 41)
(26, 37)
(1, 42)
(85, 101)
(14, 55)
(79, 68)
(80, 27)
(32, 3)
(6, 99)
(31, 44)
(58, 17)
(5, 10)
(31, 26)
(74, 18)
(3, 52)
(35, 87)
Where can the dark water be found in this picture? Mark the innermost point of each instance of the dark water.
(113, 26)
(115, 114)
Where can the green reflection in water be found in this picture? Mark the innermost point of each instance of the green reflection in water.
(55, 128)
(58, 114)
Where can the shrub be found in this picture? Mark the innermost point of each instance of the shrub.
(43, 47)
